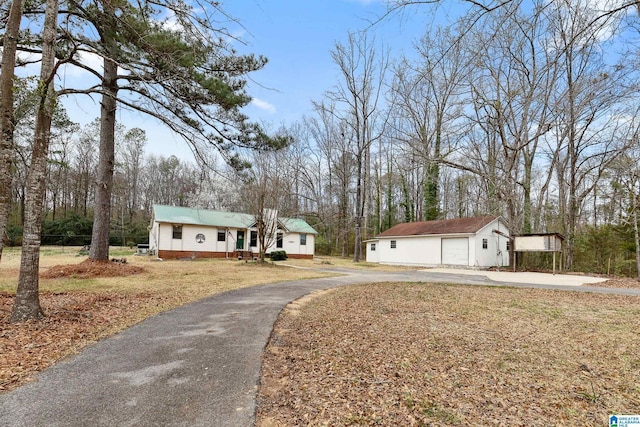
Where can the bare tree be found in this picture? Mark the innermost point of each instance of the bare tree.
(84, 166)
(58, 182)
(129, 163)
(512, 83)
(426, 99)
(265, 191)
(587, 93)
(328, 131)
(362, 75)
(627, 170)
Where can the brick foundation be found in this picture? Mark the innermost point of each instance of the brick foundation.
(192, 254)
(299, 256)
(195, 255)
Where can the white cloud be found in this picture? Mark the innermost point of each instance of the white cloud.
(608, 28)
(263, 105)
(171, 22)
(90, 60)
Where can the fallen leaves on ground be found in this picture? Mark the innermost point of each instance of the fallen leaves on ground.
(89, 269)
(441, 355)
(86, 302)
(73, 320)
(619, 282)
(384, 358)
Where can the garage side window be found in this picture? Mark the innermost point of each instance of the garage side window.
(177, 232)
(373, 246)
(485, 244)
(393, 244)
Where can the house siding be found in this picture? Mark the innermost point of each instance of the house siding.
(418, 250)
(188, 247)
(291, 245)
(372, 255)
(496, 253)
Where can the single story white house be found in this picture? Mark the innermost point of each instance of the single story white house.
(178, 232)
(471, 242)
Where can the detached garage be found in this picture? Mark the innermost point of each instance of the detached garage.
(470, 242)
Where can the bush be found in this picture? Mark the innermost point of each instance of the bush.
(278, 255)
(73, 230)
(13, 236)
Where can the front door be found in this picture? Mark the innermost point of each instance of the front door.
(240, 240)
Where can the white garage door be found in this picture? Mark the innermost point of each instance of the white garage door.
(455, 251)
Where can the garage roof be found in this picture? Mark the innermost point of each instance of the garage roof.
(443, 226)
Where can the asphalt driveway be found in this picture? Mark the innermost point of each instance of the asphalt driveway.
(198, 365)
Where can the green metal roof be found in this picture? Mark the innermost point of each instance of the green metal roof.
(182, 215)
(297, 225)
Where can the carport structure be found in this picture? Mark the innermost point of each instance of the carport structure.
(540, 242)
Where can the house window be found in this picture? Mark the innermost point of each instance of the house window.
(253, 241)
(221, 235)
(485, 244)
(177, 232)
(393, 244)
(373, 247)
(279, 240)
(508, 245)
(303, 239)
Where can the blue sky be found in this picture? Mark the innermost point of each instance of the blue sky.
(297, 37)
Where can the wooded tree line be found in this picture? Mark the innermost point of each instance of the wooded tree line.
(527, 110)
(139, 181)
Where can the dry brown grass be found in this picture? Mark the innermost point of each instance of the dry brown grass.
(80, 311)
(393, 354)
(422, 354)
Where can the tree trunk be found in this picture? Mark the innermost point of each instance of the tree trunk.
(359, 206)
(526, 189)
(104, 181)
(27, 302)
(432, 182)
(10, 43)
(636, 232)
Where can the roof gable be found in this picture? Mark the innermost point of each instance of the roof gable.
(297, 225)
(193, 216)
(443, 226)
